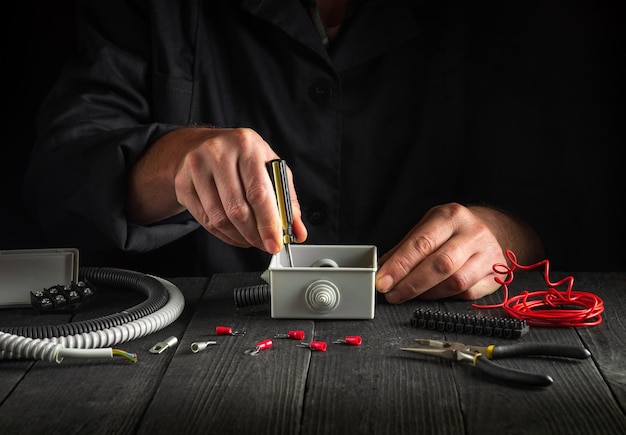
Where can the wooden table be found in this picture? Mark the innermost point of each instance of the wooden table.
(370, 389)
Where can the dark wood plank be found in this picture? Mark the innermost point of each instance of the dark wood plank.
(222, 389)
(373, 388)
(607, 341)
(376, 388)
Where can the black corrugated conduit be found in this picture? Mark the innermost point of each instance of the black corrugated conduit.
(156, 297)
(252, 295)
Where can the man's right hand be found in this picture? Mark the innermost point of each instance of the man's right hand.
(220, 176)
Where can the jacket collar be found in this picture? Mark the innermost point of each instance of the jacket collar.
(372, 28)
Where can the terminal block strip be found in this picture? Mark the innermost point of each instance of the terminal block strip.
(469, 324)
(62, 298)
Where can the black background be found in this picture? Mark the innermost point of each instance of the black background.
(587, 38)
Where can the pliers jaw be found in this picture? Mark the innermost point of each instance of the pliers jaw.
(443, 349)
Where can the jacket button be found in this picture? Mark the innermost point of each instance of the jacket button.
(316, 215)
(320, 91)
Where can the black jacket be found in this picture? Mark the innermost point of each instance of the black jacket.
(417, 103)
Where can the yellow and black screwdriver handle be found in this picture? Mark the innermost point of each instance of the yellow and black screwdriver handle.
(278, 173)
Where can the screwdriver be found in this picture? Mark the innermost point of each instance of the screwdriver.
(278, 173)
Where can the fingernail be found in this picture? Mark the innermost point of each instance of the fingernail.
(384, 283)
(271, 246)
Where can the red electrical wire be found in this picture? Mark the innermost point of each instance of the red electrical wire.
(549, 307)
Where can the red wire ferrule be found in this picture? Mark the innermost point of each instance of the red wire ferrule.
(227, 330)
(352, 340)
(295, 335)
(261, 345)
(319, 346)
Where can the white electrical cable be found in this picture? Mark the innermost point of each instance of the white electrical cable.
(94, 344)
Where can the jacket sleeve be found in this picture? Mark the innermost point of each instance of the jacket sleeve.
(93, 126)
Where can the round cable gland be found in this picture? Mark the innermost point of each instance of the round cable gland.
(322, 296)
(325, 262)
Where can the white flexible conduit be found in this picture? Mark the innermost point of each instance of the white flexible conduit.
(95, 344)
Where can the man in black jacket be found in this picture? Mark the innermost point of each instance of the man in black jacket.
(414, 126)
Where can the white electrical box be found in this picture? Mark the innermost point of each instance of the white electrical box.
(26, 270)
(325, 282)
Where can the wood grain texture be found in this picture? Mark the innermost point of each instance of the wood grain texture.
(224, 390)
(607, 341)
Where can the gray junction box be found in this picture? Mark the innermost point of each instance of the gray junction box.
(325, 282)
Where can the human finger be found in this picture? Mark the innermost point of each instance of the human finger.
(430, 272)
(208, 211)
(261, 197)
(433, 230)
(470, 281)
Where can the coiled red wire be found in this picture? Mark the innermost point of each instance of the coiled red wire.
(551, 307)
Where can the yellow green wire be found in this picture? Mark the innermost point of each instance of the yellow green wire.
(130, 356)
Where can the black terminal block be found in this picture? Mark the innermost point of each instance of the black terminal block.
(469, 324)
(62, 298)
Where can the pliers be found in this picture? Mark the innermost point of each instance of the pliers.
(481, 357)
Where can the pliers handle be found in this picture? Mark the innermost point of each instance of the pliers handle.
(483, 360)
(481, 357)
